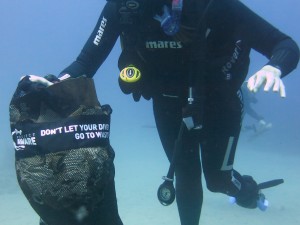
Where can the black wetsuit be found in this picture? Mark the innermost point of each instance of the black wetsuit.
(232, 30)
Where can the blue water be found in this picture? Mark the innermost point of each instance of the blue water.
(40, 37)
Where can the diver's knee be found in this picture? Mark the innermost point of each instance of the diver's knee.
(218, 181)
(216, 184)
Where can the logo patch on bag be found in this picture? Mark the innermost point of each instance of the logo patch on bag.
(74, 132)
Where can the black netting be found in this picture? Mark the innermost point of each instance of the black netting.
(61, 179)
(66, 179)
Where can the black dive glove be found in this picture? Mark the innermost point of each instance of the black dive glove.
(52, 78)
(131, 82)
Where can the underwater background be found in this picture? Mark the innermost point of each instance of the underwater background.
(42, 37)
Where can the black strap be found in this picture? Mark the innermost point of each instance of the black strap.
(71, 133)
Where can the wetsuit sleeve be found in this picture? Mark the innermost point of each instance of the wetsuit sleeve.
(280, 49)
(99, 44)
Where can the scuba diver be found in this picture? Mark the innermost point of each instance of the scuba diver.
(260, 124)
(191, 57)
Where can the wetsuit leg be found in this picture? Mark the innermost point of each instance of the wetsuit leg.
(189, 196)
(189, 192)
(218, 145)
(222, 119)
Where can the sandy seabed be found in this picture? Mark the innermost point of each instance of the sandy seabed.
(140, 166)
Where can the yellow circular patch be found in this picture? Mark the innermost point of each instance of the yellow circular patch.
(130, 74)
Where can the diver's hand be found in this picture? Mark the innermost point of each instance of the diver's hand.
(30, 83)
(193, 116)
(45, 81)
(38, 80)
(268, 76)
(132, 82)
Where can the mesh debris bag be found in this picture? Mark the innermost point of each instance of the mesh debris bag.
(64, 159)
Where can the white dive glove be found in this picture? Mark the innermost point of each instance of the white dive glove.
(48, 80)
(39, 80)
(268, 76)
